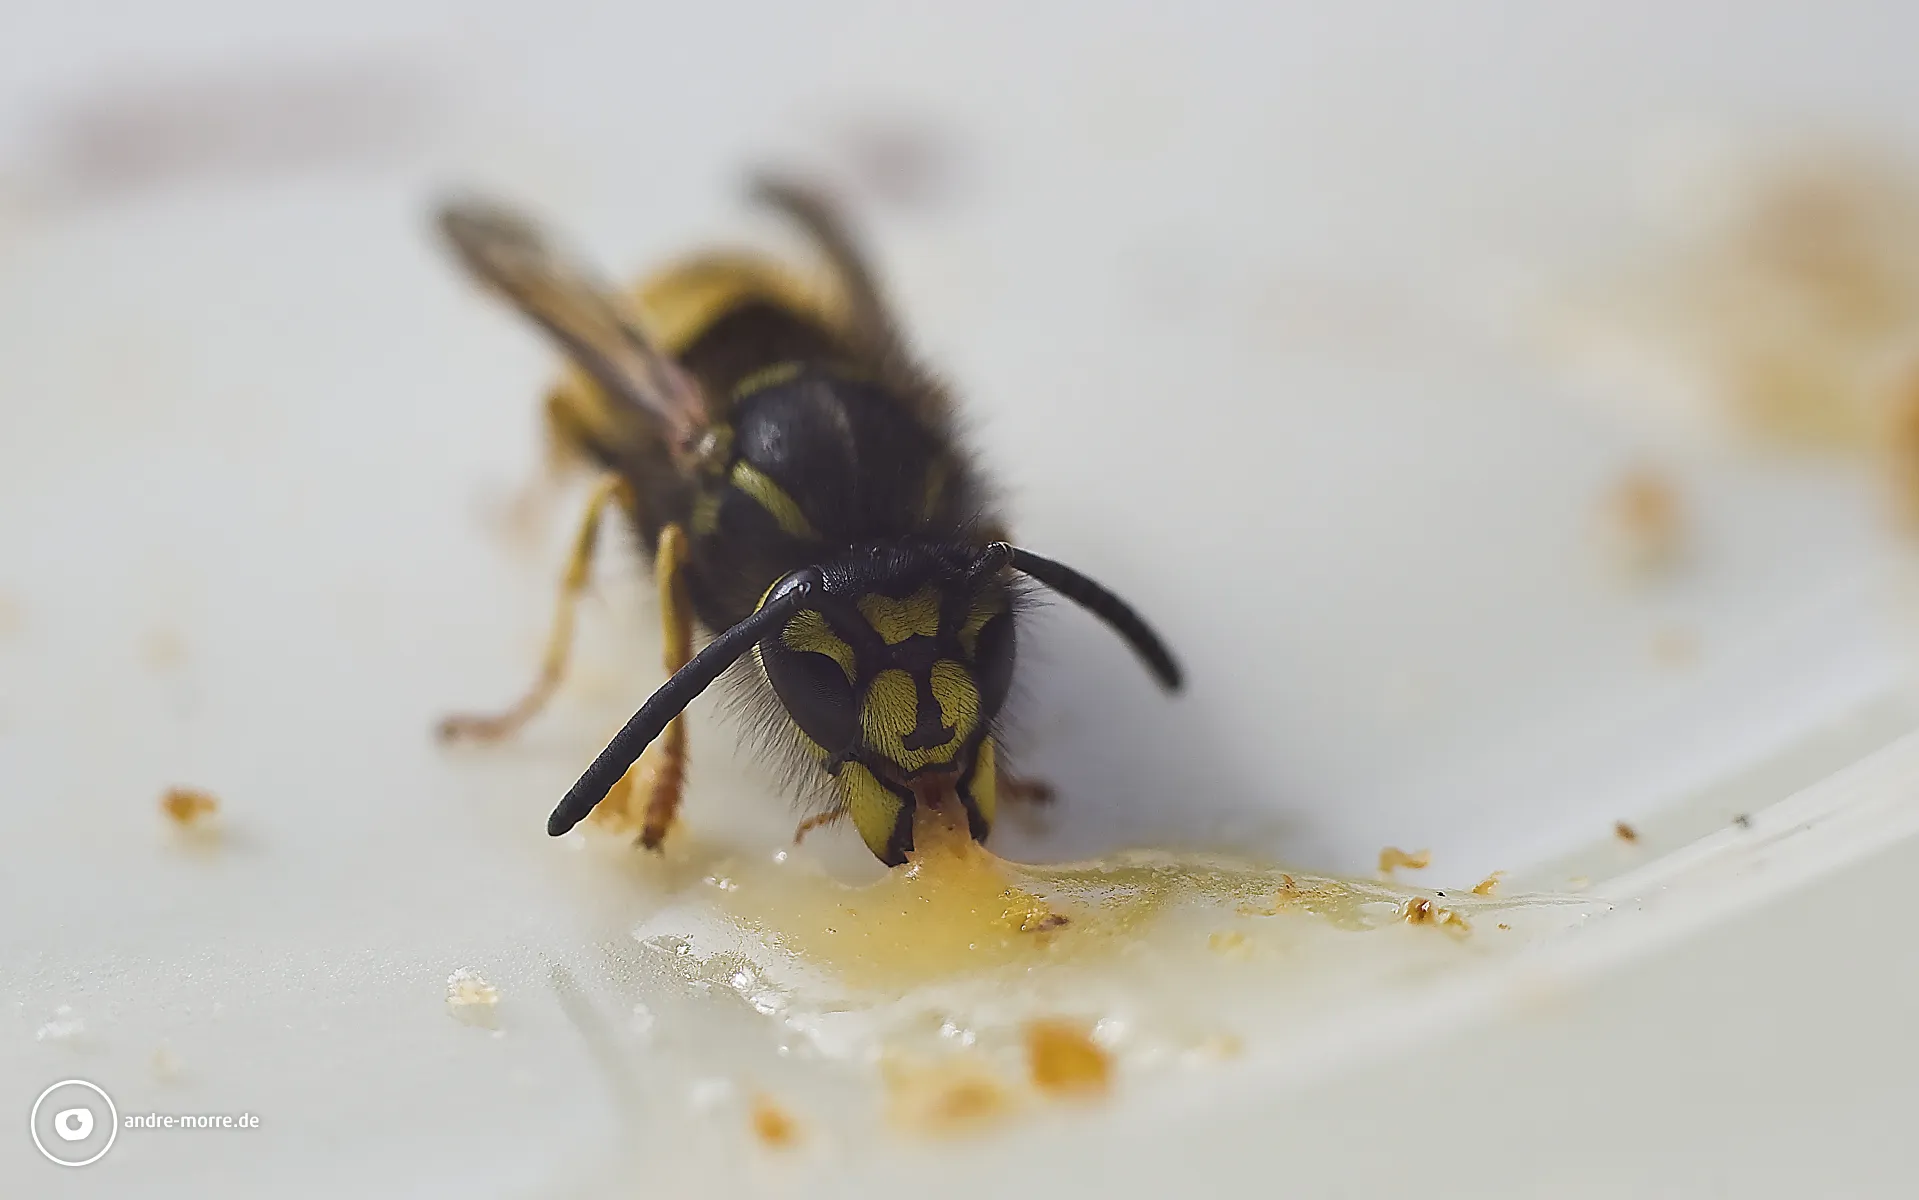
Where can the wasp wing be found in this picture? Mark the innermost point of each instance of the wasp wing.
(866, 314)
(509, 253)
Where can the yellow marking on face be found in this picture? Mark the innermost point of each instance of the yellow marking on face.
(770, 496)
(809, 633)
(875, 811)
(764, 378)
(957, 695)
(676, 305)
(891, 712)
(984, 787)
(897, 620)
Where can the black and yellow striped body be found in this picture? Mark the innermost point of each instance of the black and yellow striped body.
(818, 454)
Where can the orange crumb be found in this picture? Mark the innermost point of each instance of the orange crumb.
(954, 1095)
(189, 807)
(1392, 857)
(1624, 832)
(1065, 1060)
(1674, 647)
(1643, 511)
(1488, 885)
(773, 1125)
(1421, 911)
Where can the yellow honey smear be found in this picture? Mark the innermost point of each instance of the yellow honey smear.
(1289, 894)
(957, 910)
(1065, 1060)
(189, 808)
(956, 1094)
(1421, 911)
(1392, 858)
(1229, 942)
(1489, 885)
(773, 1125)
(954, 906)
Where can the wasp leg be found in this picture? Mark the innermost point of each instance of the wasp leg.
(492, 727)
(664, 777)
(816, 821)
(1022, 790)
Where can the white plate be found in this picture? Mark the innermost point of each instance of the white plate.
(1241, 306)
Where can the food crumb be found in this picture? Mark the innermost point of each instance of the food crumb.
(954, 1095)
(1742, 820)
(189, 808)
(162, 649)
(1624, 832)
(1229, 942)
(1392, 858)
(773, 1125)
(1488, 885)
(1675, 647)
(1030, 914)
(1644, 521)
(1503, 925)
(468, 993)
(66, 1027)
(165, 1063)
(1217, 1047)
(1064, 1059)
(1421, 911)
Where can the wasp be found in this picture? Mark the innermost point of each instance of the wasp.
(796, 480)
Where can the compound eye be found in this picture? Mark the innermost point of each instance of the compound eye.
(813, 689)
(993, 663)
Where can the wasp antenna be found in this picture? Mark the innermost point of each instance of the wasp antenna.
(1101, 603)
(672, 698)
(995, 556)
